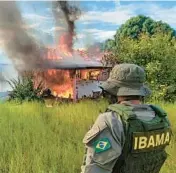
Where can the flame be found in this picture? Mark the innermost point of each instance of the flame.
(85, 74)
(63, 85)
(90, 74)
(61, 82)
(95, 74)
(63, 91)
(65, 42)
(51, 72)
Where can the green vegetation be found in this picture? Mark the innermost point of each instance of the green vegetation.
(157, 54)
(151, 45)
(133, 28)
(25, 89)
(143, 24)
(36, 139)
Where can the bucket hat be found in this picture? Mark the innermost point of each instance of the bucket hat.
(125, 80)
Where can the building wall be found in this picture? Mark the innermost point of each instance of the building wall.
(86, 88)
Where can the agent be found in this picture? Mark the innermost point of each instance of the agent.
(130, 137)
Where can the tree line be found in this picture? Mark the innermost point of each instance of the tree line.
(152, 45)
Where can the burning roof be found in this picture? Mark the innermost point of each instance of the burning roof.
(74, 64)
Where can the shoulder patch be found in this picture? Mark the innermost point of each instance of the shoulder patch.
(102, 145)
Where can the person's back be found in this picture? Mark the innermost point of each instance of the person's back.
(129, 137)
(146, 136)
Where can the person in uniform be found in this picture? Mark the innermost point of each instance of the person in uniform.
(130, 137)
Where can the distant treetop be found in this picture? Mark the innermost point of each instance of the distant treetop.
(143, 24)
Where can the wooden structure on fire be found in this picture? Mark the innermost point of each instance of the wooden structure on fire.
(73, 79)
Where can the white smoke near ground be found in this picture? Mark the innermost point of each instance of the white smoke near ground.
(2, 77)
(7, 73)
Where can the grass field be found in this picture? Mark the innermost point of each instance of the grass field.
(36, 139)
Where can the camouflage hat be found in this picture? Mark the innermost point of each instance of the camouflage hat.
(125, 80)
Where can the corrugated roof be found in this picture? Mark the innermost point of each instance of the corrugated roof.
(74, 64)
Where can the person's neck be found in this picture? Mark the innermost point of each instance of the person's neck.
(135, 102)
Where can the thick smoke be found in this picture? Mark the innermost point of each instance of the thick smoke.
(21, 47)
(65, 16)
(2, 78)
(24, 52)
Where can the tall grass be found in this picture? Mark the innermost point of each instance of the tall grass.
(36, 139)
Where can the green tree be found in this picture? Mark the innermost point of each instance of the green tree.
(157, 54)
(134, 27)
(142, 24)
(152, 45)
(109, 44)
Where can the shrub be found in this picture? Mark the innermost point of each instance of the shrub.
(25, 89)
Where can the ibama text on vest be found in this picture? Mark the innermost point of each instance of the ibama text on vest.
(150, 140)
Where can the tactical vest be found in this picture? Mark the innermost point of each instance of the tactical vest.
(145, 142)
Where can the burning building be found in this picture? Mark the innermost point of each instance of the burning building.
(73, 80)
(70, 73)
(65, 72)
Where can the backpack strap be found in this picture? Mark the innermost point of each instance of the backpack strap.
(158, 110)
(125, 112)
(161, 113)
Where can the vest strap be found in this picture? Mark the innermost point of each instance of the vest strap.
(126, 112)
(158, 110)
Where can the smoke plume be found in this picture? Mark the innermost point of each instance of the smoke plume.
(2, 78)
(20, 47)
(65, 16)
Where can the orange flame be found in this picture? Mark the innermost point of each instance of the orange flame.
(61, 82)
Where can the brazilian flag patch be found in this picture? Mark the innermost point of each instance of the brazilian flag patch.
(102, 145)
